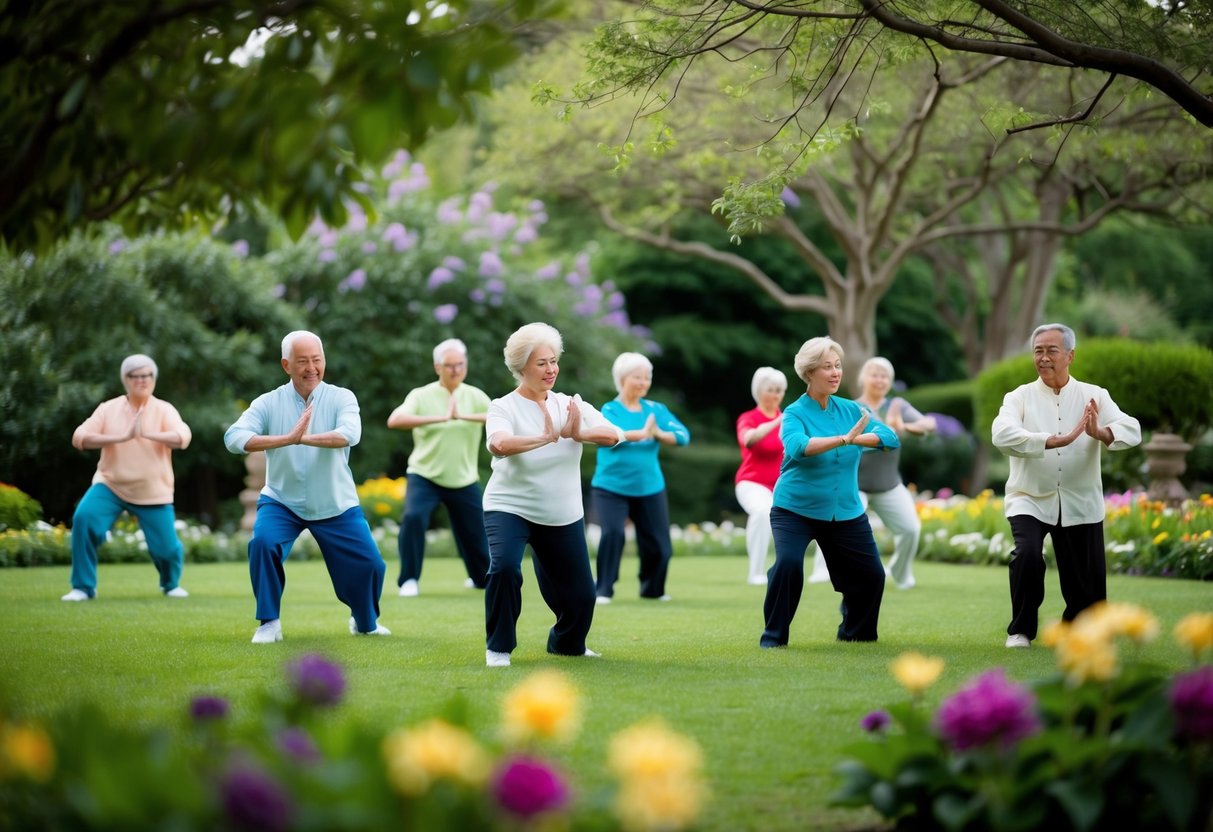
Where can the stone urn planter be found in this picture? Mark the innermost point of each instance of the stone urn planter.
(1165, 461)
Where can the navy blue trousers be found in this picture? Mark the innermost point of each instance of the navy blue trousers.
(350, 554)
(562, 569)
(651, 517)
(855, 571)
(463, 506)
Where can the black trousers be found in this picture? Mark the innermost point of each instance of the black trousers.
(855, 571)
(651, 517)
(1081, 570)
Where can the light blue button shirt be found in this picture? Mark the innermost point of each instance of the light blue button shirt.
(315, 483)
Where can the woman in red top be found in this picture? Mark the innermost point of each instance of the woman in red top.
(761, 455)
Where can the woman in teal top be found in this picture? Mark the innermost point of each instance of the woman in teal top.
(628, 481)
(817, 498)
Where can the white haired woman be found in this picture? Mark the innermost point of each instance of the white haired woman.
(534, 497)
(880, 484)
(761, 455)
(628, 482)
(136, 434)
(817, 498)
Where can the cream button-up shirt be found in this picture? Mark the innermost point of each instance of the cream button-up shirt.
(1058, 485)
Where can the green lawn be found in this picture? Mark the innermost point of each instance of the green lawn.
(771, 722)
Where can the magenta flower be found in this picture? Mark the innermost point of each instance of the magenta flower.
(445, 313)
(527, 787)
(298, 745)
(316, 680)
(208, 708)
(254, 800)
(1191, 697)
(990, 708)
(875, 722)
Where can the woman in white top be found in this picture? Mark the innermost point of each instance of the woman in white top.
(534, 496)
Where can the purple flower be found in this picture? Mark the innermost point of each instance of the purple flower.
(990, 708)
(875, 722)
(327, 256)
(438, 277)
(298, 745)
(477, 295)
(240, 248)
(448, 212)
(328, 238)
(790, 198)
(317, 680)
(1191, 697)
(527, 787)
(278, 291)
(252, 799)
(548, 272)
(353, 282)
(369, 247)
(446, 313)
(490, 264)
(947, 427)
(116, 246)
(496, 286)
(207, 708)
(454, 263)
(617, 319)
(526, 234)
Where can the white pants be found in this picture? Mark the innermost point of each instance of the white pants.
(895, 508)
(756, 500)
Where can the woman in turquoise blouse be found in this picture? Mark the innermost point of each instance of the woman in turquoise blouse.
(628, 481)
(817, 498)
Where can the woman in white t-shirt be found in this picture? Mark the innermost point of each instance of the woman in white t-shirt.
(534, 496)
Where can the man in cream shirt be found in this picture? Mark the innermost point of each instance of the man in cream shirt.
(1053, 429)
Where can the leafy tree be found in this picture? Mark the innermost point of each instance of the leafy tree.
(152, 113)
(205, 315)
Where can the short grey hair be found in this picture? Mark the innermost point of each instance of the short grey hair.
(448, 345)
(876, 361)
(766, 378)
(520, 345)
(136, 362)
(292, 337)
(626, 364)
(1068, 339)
(811, 354)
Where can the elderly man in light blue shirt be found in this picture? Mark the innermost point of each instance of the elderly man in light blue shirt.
(306, 428)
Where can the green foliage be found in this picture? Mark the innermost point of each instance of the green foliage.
(155, 114)
(204, 314)
(935, 462)
(1099, 747)
(952, 398)
(1167, 387)
(18, 510)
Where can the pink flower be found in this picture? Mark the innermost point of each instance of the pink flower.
(989, 709)
(1191, 697)
(527, 787)
(875, 722)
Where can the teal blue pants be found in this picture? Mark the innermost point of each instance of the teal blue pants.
(95, 516)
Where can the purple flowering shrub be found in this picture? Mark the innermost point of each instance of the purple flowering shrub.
(1134, 751)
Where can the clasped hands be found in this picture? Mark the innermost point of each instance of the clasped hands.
(1088, 424)
(571, 429)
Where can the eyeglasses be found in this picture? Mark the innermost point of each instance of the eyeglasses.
(140, 376)
(454, 367)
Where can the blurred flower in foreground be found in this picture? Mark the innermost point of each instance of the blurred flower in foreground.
(1191, 697)
(1195, 632)
(527, 787)
(207, 708)
(434, 750)
(875, 721)
(545, 705)
(252, 799)
(659, 772)
(316, 680)
(298, 745)
(916, 672)
(26, 751)
(1086, 654)
(990, 708)
(1119, 619)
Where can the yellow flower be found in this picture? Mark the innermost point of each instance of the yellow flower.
(545, 705)
(1053, 634)
(1086, 654)
(1195, 632)
(1157, 522)
(916, 672)
(382, 509)
(26, 751)
(1119, 619)
(436, 750)
(661, 786)
(1160, 537)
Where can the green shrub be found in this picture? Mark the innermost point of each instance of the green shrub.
(1167, 387)
(953, 398)
(18, 510)
(933, 462)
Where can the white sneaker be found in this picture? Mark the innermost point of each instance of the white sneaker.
(1017, 640)
(269, 632)
(379, 630)
(665, 598)
(469, 584)
(590, 654)
(494, 659)
(77, 595)
(177, 592)
(757, 580)
(409, 589)
(908, 583)
(602, 599)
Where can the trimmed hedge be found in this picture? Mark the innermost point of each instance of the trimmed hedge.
(953, 398)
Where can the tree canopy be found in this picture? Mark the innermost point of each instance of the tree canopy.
(162, 112)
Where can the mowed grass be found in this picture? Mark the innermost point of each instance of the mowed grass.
(772, 723)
